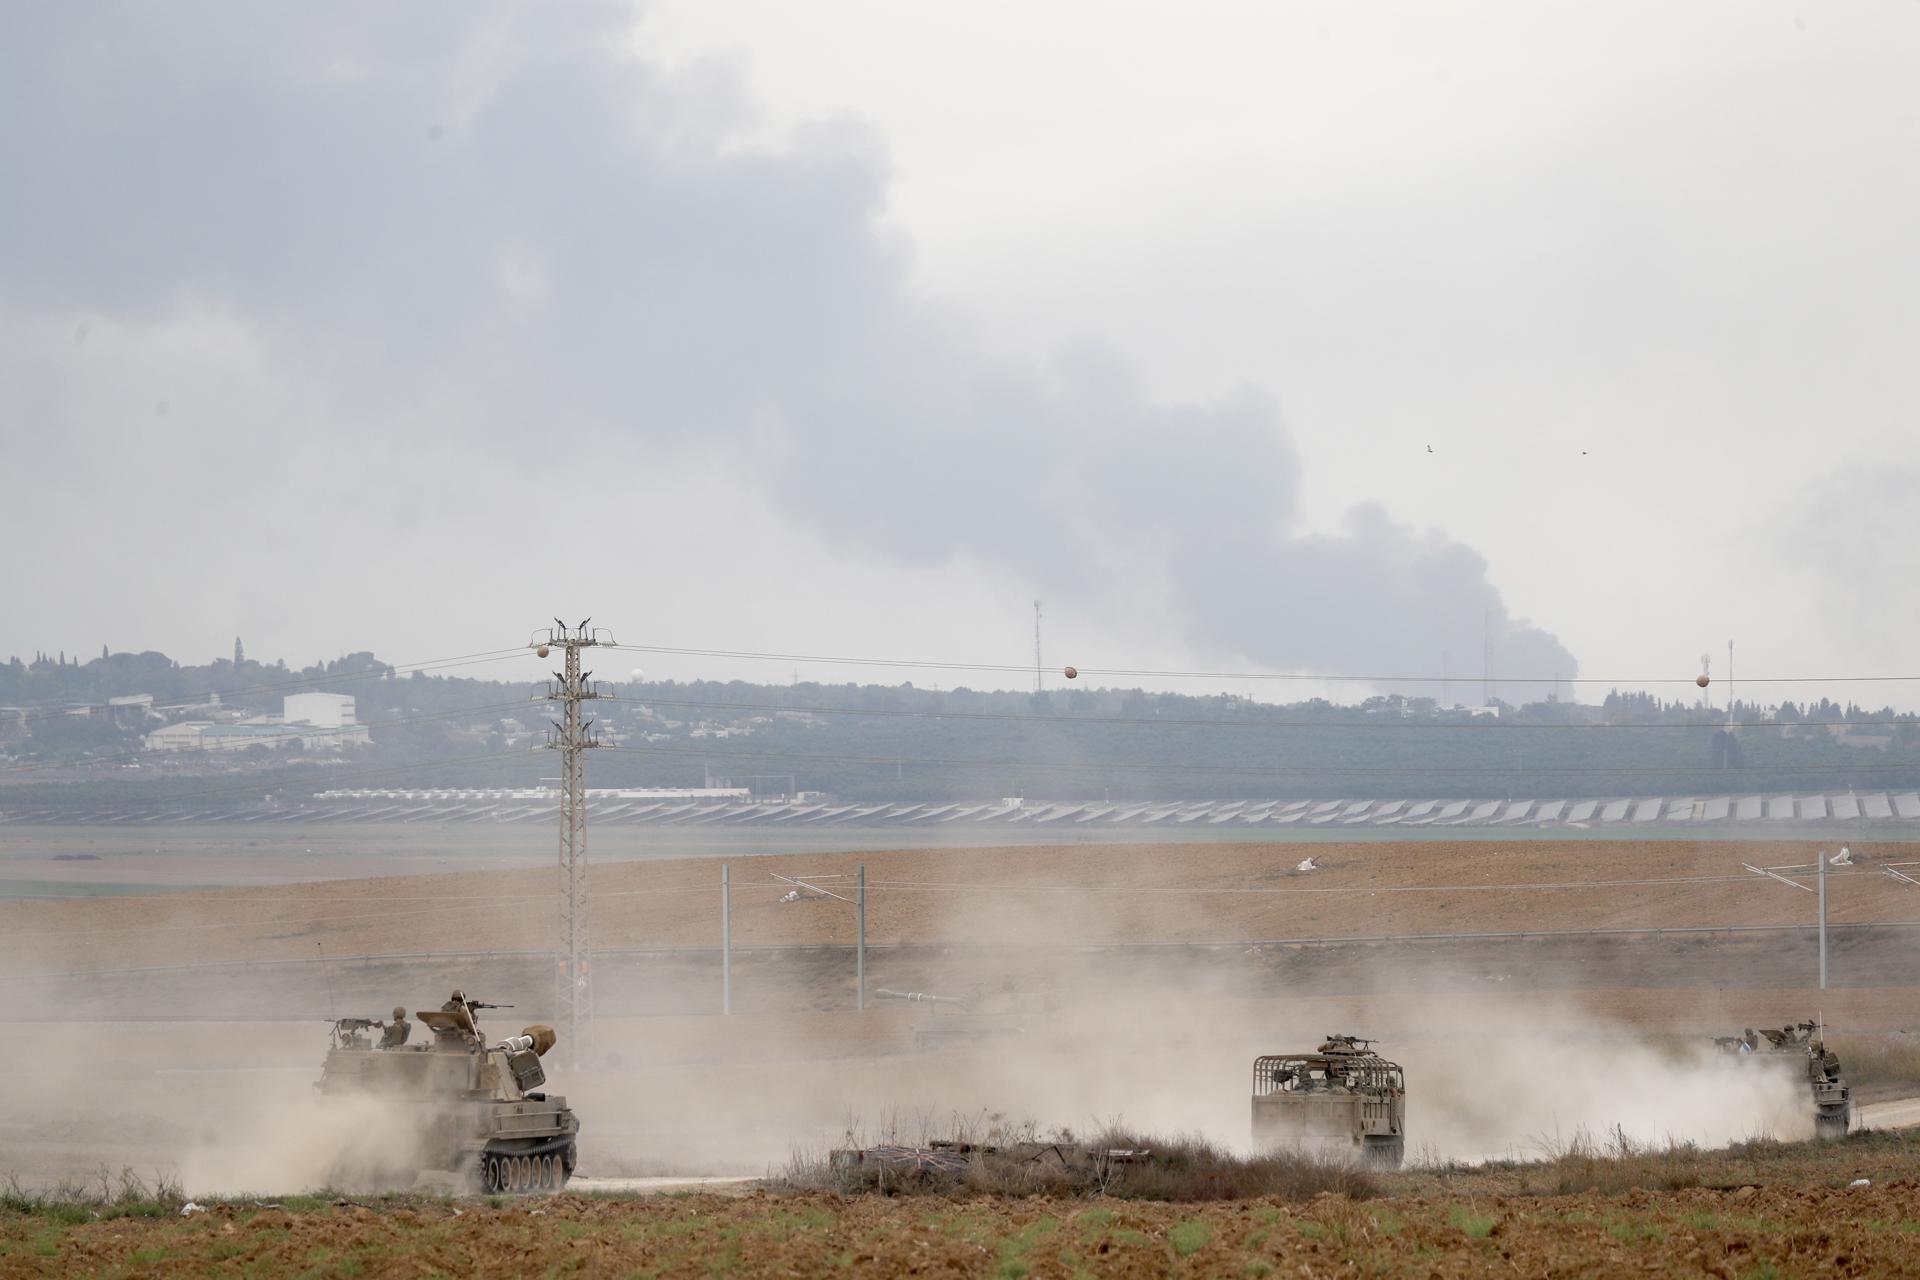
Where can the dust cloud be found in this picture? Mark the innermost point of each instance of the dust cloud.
(1159, 1039)
(1514, 1095)
(279, 1138)
(1072, 1040)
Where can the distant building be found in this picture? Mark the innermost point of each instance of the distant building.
(132, 710)
(321, 710)
(185, 736)
(238, 737)
(317, 721)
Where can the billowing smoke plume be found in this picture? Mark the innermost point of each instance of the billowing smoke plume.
(361, 256)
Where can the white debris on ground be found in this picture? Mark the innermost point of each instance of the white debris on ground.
(1842, 859)
(791, 895)
(1308, 865)
(1861, 1182)
(188, 1209)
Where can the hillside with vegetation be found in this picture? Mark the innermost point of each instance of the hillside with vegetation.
(61, 733)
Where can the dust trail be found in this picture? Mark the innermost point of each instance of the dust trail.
(276, 1140)
(1508, 1095)
(1057, 1031)
(1171, 1052)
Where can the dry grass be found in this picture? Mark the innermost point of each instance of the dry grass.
(103, 1194)
(1116, 1164)
(1880, 1063)
(1613, 1165)
(1188, 1169)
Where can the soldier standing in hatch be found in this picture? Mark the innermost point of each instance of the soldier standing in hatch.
(397, 1031)
(462, 1012)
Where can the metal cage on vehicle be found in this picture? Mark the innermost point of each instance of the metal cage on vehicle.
(1314, 1072)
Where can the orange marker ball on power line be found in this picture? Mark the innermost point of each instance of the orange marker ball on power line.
(543, 651)
(1702, 680)
(1072, 672)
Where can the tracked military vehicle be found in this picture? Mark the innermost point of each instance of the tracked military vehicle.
(477, 1114)
(1343, 1099)
(1801, 1048)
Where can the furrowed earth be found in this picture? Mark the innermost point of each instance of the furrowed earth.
(174, 1033)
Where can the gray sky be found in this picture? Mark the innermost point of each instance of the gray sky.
(851, 328)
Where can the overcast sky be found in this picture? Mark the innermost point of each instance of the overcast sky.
(1249, 336)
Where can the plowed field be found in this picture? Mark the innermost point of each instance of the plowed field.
(1739, 1232)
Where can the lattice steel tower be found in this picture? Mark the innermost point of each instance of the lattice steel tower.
(572, 736)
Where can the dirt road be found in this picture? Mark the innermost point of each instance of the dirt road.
(1897, 1113)
(661, 1186)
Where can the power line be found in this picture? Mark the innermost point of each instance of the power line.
(242, 896)
(1131, 944)
(935, 886)
(464, 904)
(1143, 672)
(52, 709)
(1481, 726)
(476, 902)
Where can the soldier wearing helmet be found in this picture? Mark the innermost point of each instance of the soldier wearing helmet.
(461, 1011)
(397, 1031)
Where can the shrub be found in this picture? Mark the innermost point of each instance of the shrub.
(103, 1195)
(1115, 1164)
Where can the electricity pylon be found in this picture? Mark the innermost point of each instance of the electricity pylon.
(572, 737)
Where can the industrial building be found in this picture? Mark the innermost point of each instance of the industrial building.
(317, 721)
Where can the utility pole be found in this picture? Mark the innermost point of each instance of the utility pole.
(1773, 873)
(1729, 686)
(860, 961)
(726, 940)
(1823, 919)
(1486, 645)
(573, 985)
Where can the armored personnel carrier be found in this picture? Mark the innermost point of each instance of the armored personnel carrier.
(1344, 1098)
(478, 1115)
(1801, 1048)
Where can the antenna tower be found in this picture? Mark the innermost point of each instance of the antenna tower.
(572, 737)
(1486, 680)
(1038, 687)
(1729, 686)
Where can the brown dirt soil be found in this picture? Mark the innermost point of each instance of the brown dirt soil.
(1065, 894)
(1741, 1232)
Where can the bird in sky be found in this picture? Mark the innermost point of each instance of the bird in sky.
(1429, 448)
